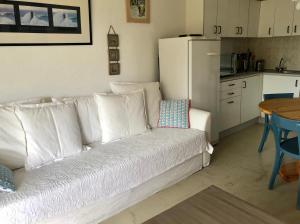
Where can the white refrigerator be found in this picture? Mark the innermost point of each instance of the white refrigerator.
(190, 69)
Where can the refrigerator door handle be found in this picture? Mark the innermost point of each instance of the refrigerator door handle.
(213, 54)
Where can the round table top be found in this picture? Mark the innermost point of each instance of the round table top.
(287, 108)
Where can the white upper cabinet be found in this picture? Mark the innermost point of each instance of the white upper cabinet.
(243, 18)
(284, 15)
(211, 28)
(217, 18)
(253, 18)
(232, 15)
(296, 23)
(266, 21)
(223, 18)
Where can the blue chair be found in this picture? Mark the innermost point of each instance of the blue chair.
(267, 125)
(289, 147)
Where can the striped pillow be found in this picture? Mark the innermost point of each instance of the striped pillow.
(174, 114)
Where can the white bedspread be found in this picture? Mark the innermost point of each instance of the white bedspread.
(103, 172)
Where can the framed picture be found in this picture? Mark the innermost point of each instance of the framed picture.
(114, 68)
(114, 54)
(138, 11)
(45, 22)
(113, 40)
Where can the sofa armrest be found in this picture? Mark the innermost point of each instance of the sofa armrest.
(201, 120)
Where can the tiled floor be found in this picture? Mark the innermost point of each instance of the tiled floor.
(236, 168)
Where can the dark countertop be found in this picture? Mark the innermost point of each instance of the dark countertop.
(265, 72)
(239, 76)
(285, 73)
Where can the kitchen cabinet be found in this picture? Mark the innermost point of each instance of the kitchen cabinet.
(210, 18)
(243, 18)
(233, 17)
(230, 105)
(230, 113)
(296, 23)
(284, 15)
(253, 18)
(251, 97)
(232, 14)
(239, 101)
(266, 20)
(281, 84)
(220, 18)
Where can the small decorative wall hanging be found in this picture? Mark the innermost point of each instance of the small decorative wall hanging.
(50, 22)
(138, 11)
(113, 52)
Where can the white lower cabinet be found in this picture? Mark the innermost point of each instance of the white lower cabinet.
(251, 97)
(240, 98)
(281, 84)
(230, 113)
(239, 101)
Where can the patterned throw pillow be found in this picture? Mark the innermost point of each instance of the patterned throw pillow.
(174, 114)
(6, 180)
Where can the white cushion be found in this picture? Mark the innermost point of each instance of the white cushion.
(30, 101)
(52, 132)
(121, 116)
(152, 94)
(88, 117)
(12, 136)
(12, 139)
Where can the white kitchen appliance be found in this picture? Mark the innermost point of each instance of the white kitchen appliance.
(190, 69)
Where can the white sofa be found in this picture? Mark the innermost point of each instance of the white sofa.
(96, 184)
(101, 182)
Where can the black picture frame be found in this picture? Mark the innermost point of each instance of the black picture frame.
(51, 29)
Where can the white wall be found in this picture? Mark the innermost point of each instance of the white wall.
(78, 70)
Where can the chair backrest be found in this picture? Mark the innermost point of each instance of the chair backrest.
(278, 96)
(279, 124)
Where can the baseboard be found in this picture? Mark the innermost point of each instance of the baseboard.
(239, 127)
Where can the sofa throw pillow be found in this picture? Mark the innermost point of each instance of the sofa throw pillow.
(174, 114)
(6, 180)
(88, 117)
(12, 136)
(12, 140)
(121, 116)
(52, 133)
(152, 96)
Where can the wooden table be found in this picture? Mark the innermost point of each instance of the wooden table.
(287, 108)
(214, 206)
(290, 109)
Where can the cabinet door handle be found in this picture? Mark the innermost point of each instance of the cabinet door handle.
(230, 94)
(245, 84)
(237, 30)
(216, 29)
(230, 102)
(288, 29)
(231, 84)
(295, 29)
(296, 83)
(270, 29)
(220, 30)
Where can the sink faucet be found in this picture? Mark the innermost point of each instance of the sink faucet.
(281, 66)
